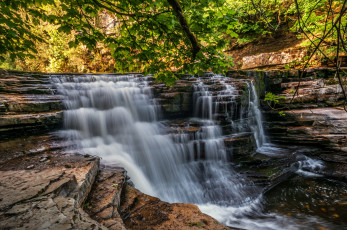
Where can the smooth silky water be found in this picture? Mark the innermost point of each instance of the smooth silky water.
(117, 118)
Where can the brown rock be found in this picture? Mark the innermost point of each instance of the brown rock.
(117, 205)
(47, 199)
(140, 211)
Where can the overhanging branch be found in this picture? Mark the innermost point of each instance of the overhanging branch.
(183, 22)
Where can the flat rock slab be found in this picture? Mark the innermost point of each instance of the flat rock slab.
(23, 185)
(50, 198)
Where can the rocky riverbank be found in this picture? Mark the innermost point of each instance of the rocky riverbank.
(45, 181)
(42, 186)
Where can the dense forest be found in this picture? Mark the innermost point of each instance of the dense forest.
(158, 37)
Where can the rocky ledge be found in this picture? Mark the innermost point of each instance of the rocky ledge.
(44, 187)
(27, 104)
(118, 205)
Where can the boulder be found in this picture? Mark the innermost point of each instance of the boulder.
(117, 205)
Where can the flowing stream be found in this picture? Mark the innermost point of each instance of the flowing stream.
(117, 118)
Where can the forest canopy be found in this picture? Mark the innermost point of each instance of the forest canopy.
(158, 37)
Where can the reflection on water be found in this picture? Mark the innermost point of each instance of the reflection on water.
(311, 198)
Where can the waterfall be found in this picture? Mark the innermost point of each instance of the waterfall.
(254, 116)
(117, 118)
(210, 133)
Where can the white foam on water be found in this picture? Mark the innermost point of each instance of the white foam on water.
(309, 167)
(270, 149)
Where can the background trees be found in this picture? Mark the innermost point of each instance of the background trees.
(158, 37)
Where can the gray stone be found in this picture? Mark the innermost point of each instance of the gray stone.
(47, 199)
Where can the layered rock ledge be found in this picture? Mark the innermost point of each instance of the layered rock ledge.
(43, 187)
(27, 104)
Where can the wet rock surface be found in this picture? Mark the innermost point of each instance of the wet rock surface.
(44, 186)
(321, 126)
(117, 205)
(315, 116)
(145, 212)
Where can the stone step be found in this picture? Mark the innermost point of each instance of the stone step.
(48, 198)
(12, 124)
(31, 106)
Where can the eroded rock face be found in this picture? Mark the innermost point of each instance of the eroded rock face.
(314, 116)
(141, 211)
(104, 200)
(27, 104)
(273, 58)
(117, 205)
(175, 101)
(47, 199)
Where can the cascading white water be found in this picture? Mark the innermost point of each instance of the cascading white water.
(254, 116)
(116, 118)
(210, 133)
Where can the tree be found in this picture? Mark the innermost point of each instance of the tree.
(16, 38)
(154, 37)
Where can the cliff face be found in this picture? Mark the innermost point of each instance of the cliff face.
(315, 116)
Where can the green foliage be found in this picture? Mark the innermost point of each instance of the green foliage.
(148, 36)
(254, 18)
(86, 205)
(281, 113)
(273, 100)
(153, 42)
(16, 38)
(317, 23)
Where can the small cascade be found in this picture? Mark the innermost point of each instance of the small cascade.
(210, 133)
(202, 101)
(254, 116)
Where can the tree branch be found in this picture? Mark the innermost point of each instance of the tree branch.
(183, 22)
(111, 9)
